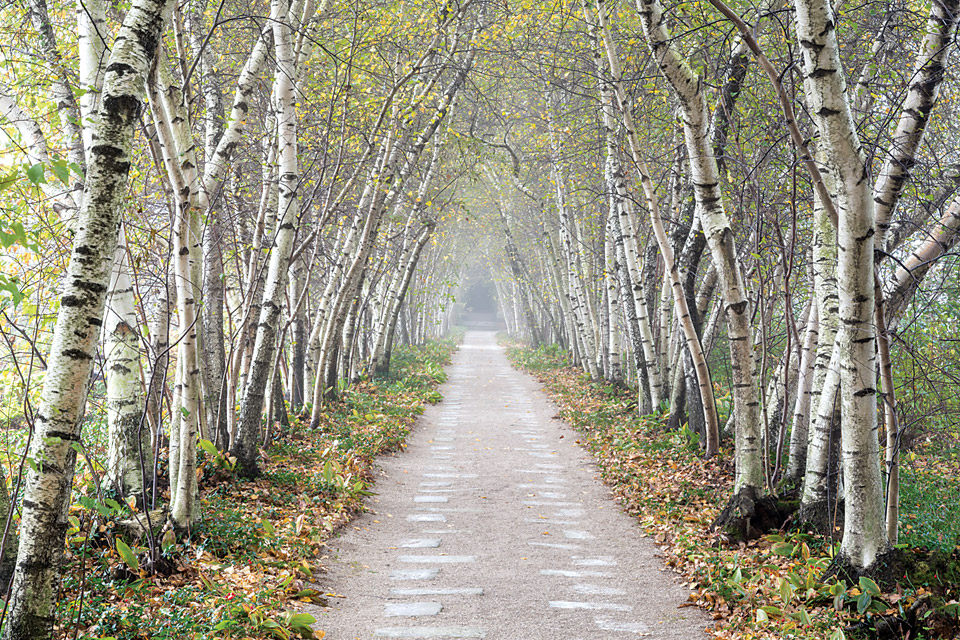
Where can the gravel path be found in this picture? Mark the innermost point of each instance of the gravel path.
(493, 524)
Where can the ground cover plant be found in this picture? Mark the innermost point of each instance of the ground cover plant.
(242, 571)
(774, 586)
(748, 212)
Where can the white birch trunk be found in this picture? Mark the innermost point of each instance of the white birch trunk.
(128, 447)
(245, 446)
(864, 536)
(666, 251)
(799, 434)
(31, 607)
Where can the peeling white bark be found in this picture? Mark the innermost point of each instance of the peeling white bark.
(864, 536)
(30, 614)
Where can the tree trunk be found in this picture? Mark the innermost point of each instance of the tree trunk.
(864, 534)
(799, 434)
(246, 444)
(128, 435)
(31, 607)
(671, 271)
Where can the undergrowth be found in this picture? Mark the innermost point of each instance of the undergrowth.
(766, 588)
(247, 565)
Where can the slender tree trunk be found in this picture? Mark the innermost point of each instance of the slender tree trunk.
(299, 346)
(716, 227)
(666, 251)
(31, 607)
(864, 535)
(799, 434)
(245, 446)
(128, 435)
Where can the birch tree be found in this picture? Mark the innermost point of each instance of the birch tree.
(82, 300)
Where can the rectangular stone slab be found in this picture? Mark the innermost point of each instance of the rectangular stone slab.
(414, 574)
(430, 632)
(429, 591)
(420, 543)
(437, 559)
(411, 609)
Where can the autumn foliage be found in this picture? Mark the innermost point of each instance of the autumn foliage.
(772, 587)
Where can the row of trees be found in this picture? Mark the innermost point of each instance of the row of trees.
(221, 209)
(213, 208)
(703, 195)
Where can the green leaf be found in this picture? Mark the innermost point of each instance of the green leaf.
(208, 447)
(169, 539)
(10, 284)
(785, 591)
(762, 616)
(299, 620)
(19, 232)
(93, 505)
(869, 587)
(129, 557)
(61, 170)
(863, 602)
(782, 549)
(268, 527)
(803, 617)
(773, 612)
(9, 180)
(35, 173)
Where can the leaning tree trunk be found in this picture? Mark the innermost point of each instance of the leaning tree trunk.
(621, 206)
(751, 513)
(397, 296)
(61, 89)
(672, 274)
(246, 444)
(31, 607)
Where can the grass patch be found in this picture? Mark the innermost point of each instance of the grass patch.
(929, 508)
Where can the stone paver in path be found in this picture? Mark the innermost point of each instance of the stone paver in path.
(493, 524)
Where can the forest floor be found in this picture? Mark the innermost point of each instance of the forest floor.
(770, 587)
(245, 570)
(493, 523)
(249, 568)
